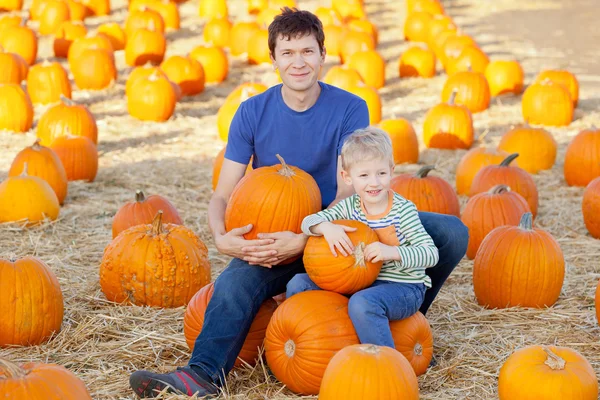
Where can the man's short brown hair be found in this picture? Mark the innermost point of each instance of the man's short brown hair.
(294, 23)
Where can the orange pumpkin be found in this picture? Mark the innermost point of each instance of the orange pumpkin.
(434, 7)
(436, 25)
(518, 266)
(90, 41)
(338, 273)
(21, 40)
(565, 78)
(66, 117)
(472, 162)
(145, 45)
(94, 69)
(472, 90)
(213, 9)
(214, 61)
(78, 155)
(169, 12)
(413, 338)
(35, 381)
(66, 33)
(371, 96)
(342, 76)
(488, 210)
(582, 158)
(151, 98)
(471, 58)
(416, 26)
(448, 126)
(559, 373)
(307, 321)
(536, 147)
(255, 6)
(405, 144)
(238, 35)
(333, 40)
(16, 110)
(516, 178)
(354, 41)
(231, 104)
(193, 321)
(273, 199)
(54, 13)
(258, 48)
(504, 77)
(218, 163)
(217, 31)
(429, 193)
(157, 265)
(356, 371)
(590, 207)
(452, 46)
(14, 68)
(77, 10)
(98, 7)
(364, 25)
(46, 82)
(186, 72)
(114, 33)
(43, 163)
(145, 18)
(142, 211)
(547, 103)
(371, 67)
(416, 62)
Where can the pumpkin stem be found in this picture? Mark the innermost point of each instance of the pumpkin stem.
(418, 349)
(24, 19)
(422, 173)
(370, 349)
(359, 255)
(285, 170)
(36, 145)
(24, 173)
(66, 100)
(483, 135)
(139, 196)
(553, 360)
(526, 221)
(499, 189)
(509, 159)
(289, 348)
(10, 370)
(452, 96)
(157, 223)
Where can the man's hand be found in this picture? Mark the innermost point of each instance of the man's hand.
(233, 243)
(283, 245)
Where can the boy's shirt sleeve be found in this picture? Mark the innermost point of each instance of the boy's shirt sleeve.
(342, 210)
(421, 251)
(240, 140)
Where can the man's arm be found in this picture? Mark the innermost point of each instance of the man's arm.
(343, 190)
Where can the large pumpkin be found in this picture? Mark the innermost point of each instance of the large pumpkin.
(582, 159)
(536, 147)
(154, 265)
(516, 178)
(66, 117)
(590, 207)
(367, 371)
(273, 199)
(472, 162)
(518, 266)
(31, 302)
(413, 338)
(505, 77)
(79, 156)
(193, 320)
(39, 381)
(565, 78)
(371, 67)
(417, 62)
(547, 373)
(429, 193)
(405, 144)
(305, 332)
(151, 98)
(488, 210)
(472, 90)
(43, 163)
(448, 126)
(47, 82)
(28, 198)
(342, 274)
(142, 212)
(16, 109)
(547, 103)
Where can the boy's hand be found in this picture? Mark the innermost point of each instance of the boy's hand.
(378, 251)
(336, 237)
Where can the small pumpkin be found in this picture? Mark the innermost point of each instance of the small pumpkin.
(561, 373)
(218, 163)
(98, 7)
(429, 193)
(14, 68)
(46, 82)
(364, 25)
(213, 9)
(11, 5)
(90, 41)
(232, 103)
(342, 274)
(16, 110)
(142, 212)
(417, 62)
(94, 69)
(78, 11)
(258, 48)
(371, 67)
(356, 371)
(214, 61)
(472, 90)
(505, 77)
(151, 98)
(342, 76)
(217, 32)
(255, 6)
(43, 163)
(514, 177)
(238, 35)
(21, 40)
(436, 25)
(54, 13)
(27, 198)
(169, 12)
(448, 126)
(144, 18)
(471, 58)
(66, 117)
(354, 41)
(413, 338)
(37, 381)
(488, 210)
(452, 46)
(472, 162)
(186, 72)
(304, 334)
(405, 145)
(582, 158)
(416, 26)
(157, 265)
(78, 155)
(537, 147)
(64, 36)
(193, 321)
(590, 207)
(547, 103)
(333, 40)
(114, 33)
(518, 266)
(145, 45)
(434, 7)
(565, 78)
(371, 96)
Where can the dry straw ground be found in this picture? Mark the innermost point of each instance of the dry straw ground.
(103, 343)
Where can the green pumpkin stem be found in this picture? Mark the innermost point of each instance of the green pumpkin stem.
(422, 173)
(506, 162)
(139, 196)
(526, 221)
(9, 370)
(157, 223)
(285, 170)
(499, 189)
(554, 361)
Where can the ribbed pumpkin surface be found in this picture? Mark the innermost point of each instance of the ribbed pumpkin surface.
(413, 338)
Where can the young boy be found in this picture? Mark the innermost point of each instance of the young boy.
(404, 246)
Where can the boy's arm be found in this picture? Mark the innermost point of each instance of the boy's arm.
(421, 252)
(339, 211)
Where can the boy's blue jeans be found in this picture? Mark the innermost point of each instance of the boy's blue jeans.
(372, 308)
(241, 289)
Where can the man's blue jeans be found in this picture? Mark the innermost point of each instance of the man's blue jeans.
(241, 289)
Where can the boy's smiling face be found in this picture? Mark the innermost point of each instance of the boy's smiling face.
(371, 181)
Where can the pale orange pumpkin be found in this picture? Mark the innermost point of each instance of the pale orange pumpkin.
(78, 155)
(354, 41)
(16, 110)
(46, 82)
(54, 13)
(565, 78)
(582, 158)
(472, 90)
(371, 67)
(371, 96)
(186, 72)
(14, 68)
(145, 45)
(213, 9)
(536, 147)
(471, 58)
(66, 33)
(434, 7)
(472, 162)
(78, 11)
(214, 61)
(66, 117)
(151, 98)
(94, 69)
(144, 18)
(21, 40)
(333, 39)
(98, 7)
(193, 321)
(413, 338)
(417, 62)
(452, 46)
(258, 48)
(547, 103)
(405, 144)
(238, 35)
(342, 76)
(231, 104)
(315, 319)
(505, 77)
(363, 25)
(590, 208)
(436, 25)
(448, 126)
(114, 33)
(416, 26)
(429, 193)
(218, 163)
(217, 32)
(266, 16)
(90, 41)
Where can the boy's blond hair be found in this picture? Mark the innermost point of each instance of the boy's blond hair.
(367, 144)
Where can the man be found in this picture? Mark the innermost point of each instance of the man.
(306, 121)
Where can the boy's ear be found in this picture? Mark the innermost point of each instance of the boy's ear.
(346, 177)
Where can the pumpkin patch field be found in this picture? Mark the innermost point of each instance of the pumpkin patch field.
(113, 119)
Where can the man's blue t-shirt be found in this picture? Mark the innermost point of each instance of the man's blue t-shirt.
(311, 140)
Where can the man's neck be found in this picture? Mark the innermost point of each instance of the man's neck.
(301, 101)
